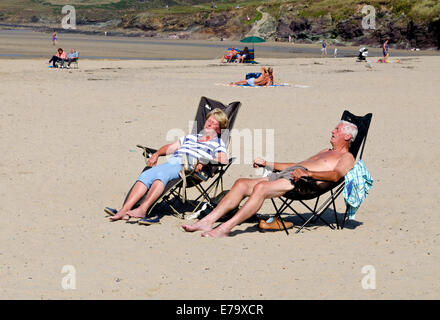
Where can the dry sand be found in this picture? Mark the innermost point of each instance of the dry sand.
(67, 141)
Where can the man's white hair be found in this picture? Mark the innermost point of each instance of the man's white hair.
(350, 128)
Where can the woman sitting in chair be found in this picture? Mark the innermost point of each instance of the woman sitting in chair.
(242, 55)
(59, 57)
(207, 144)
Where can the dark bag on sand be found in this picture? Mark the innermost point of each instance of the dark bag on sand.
(252, 75)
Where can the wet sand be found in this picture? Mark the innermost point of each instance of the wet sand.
(29, 44)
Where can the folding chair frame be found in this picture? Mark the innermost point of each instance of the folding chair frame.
(175, 191)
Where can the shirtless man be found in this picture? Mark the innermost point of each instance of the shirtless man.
(266, 79)
(327, 165)
(229, 55)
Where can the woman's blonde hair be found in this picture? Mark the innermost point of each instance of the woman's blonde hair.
(220, 116)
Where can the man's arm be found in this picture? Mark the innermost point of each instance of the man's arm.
(260, 162)
(342, 167)
(280, 166)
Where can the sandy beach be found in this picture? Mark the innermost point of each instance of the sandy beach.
(68, 141)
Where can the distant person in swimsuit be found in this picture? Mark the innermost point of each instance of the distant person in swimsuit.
(265, 79)
(385, 51)
(229, 55)
(242, 55)
(324, 48)
(54, 38)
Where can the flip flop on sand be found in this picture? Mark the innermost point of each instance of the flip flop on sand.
(110, 211)
(149, 221)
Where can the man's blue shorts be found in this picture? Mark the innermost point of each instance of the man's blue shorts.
(164, 172)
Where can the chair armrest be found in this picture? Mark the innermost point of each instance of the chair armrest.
(214, 163)
(148, 151)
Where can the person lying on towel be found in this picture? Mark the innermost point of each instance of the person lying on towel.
(265, 79)
(327, 165)
(207, 145)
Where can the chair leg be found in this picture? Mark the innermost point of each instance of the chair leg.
(334, 210)
(345, 218)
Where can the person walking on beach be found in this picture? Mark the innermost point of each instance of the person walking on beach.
(324, 48)
(385, 51)
(54, 38)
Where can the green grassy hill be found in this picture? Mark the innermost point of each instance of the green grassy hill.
(404, 22)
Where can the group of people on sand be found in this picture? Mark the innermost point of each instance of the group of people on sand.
(328, 165)
(237, 56)
(61, 57)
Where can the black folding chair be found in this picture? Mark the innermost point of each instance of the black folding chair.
(212, 171)
(308, 190)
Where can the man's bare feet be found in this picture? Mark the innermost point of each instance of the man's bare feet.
(137, 213)
(120, 215)
(216, 233)
(198, 226)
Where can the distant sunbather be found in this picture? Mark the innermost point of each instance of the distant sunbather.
(242, 55)
(327, 165)
(265, 79)
(152, 182)
(230, 54)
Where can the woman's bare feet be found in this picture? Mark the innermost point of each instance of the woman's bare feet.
(198, 226)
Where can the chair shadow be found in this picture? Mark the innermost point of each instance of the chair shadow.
(163, 209)
(328, 216)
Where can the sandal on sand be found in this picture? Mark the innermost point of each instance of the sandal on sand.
(110, 211)
(148, 221)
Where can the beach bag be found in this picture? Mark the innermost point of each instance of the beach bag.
(253, 75)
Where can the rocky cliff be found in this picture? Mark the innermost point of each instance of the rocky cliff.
(406, 23)
(403, 31)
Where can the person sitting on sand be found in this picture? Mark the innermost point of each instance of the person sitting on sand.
(72, 56)
(242, 55)
(265, 79)
(207, 145)
(327, 165)
(59, 57)
(230, 54)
